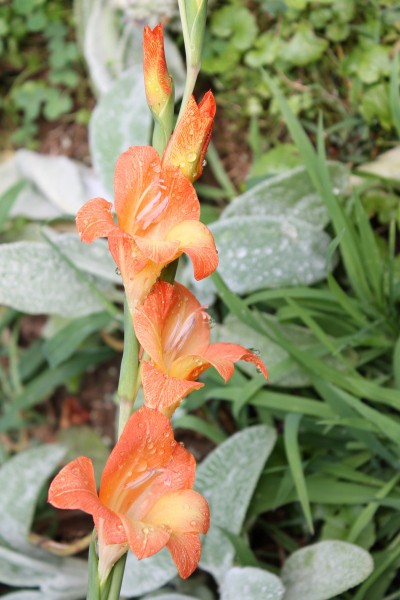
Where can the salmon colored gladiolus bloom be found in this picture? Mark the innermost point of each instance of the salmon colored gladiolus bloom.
(188, 144)
(174, 330)
(146, 498)
(158, 83)
(158, 219)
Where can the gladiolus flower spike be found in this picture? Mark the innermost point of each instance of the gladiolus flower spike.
(158, 219)
(146, 498)
(174, 330)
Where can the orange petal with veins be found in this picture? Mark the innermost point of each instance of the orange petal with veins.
(163, 392)
(94, 220)
(196, 240)
(223, 355)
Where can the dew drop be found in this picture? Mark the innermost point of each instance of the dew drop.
(146, 530)
(204, 163)
(255, 351)
(193, 523)
(191, 157)
(182, 165)
(117, 271)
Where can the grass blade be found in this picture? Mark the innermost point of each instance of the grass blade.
(291, 430)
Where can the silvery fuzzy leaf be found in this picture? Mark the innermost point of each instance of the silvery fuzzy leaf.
(101, 44)
(21, 479)
(57, 578)
(36, 280)
(147, 575)
(55, 177)
(55, 185)
(290, 195)
(325, 570)
(251, 583)
(120, 119)
(227, 478)
(268, 252)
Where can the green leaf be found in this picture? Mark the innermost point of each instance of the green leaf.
(34, 279)
(84, 441)
(293, 453)
(265, 51)
(275, 161)
(63, 184)
(258, 252)
(304, 48)
(394, 93)
(8, 199)
(47, 381)
(114, 126)
(57, 104)
(374, 64)
(64, 343)
(58, 578)
(227, 479)
(283, 370)
(325, 570)
(375, 105)
(147, 575)
(21, 480)
(290, 195)
(251, 583)
(239, 24)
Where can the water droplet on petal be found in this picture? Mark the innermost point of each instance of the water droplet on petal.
(191, 157)
(117, 271)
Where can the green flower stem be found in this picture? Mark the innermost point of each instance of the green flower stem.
(192, 69)
(127, 386)
(191, 78)
(127, 390)
(114, 581)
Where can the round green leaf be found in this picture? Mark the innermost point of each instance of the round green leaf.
(251, 583)
(227, 478)
(325, 570)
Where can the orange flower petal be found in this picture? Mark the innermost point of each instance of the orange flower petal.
(180, 200)
(189, 367)
(145, 540)
(146, 443)
(95, 220)
(197, 242)
(170, 321)
(138, 273)
(162, 392)
(185, 549)
(223, 355)
(149, 318)
(183, 511)
(159, 251)
(75, 488)
(179, 473)
(136, 172)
